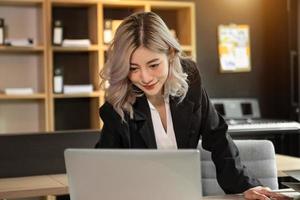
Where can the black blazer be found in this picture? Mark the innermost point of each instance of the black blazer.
(195, 116)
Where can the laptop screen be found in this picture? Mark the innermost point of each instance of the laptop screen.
(133, 174)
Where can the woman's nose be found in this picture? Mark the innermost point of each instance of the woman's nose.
(146, 76)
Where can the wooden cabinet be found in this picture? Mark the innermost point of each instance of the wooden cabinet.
(80, 20)
(34, 66)
(24, 67)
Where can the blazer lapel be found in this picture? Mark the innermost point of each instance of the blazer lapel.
(142, 116)
(181, 116)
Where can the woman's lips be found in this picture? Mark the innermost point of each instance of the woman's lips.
(149, 87)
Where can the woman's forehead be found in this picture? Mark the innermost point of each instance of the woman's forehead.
(143, 55)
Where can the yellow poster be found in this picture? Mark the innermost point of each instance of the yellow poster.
(234, 48)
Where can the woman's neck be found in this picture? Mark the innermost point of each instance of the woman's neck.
(157, 100)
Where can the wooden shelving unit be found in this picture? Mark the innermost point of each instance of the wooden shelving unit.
(21, 97)
(24, 67)
(74, 49)
(80, 64)
(34, 66)
(93, 94)
(8, 49)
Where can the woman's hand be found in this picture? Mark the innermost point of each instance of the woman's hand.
(264, 193)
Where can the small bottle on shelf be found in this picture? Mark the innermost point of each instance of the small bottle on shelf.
(2, 42)
(58, 80)
(107, 31)
(58, 33)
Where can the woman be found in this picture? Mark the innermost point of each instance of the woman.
(155, 99)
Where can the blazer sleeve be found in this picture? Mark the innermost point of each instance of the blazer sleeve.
(114, 129)
(232, 176)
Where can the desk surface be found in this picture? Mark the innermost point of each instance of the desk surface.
(286, 163)
(35, 186)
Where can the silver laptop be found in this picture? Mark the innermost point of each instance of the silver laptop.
(293, 173)
(95, 174)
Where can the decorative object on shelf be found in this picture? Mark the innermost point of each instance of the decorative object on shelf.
(58, 33)
(27, 42)
(78, 89)
(76, 43)
(107, 31)
(1, 31)
(58, 80)
(18, 91)
(234, 48)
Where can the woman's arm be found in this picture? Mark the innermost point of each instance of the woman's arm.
(113, 129)
(232, 176)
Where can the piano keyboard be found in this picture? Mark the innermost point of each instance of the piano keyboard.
(262, 125)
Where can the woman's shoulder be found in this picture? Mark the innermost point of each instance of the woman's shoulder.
(191, 69)
(107, 111)
(188, 63)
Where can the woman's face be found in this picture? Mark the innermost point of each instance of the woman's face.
(149, 71)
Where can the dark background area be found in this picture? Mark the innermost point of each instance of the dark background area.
(273, 37)
(269, 78)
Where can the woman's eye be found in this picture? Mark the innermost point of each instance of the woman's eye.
(154, 65)
(133, 69)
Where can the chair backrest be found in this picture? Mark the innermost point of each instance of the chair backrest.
(257, 155)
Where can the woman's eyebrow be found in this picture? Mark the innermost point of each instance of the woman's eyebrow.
(153, 60)
(148, 62)
(134, 64)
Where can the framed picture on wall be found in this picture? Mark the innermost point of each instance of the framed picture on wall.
(234, 48)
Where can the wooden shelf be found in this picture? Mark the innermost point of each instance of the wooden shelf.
(11, 49)
(125, 4)
(71, 3)
(171, 5)
(22, 97)
(75, 49)
(79, 95)
(21, 2)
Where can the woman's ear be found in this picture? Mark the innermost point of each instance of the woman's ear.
(171, 55)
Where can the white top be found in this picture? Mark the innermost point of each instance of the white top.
(164, 140)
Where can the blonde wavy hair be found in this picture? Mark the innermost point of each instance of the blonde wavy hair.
(145, 29)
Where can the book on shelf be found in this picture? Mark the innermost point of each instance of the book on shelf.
(78, 89)
(22, 42)
(76, 43)
(18, 91)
